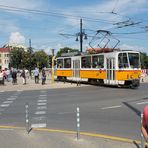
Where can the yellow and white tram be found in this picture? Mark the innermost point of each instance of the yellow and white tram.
(117, 67)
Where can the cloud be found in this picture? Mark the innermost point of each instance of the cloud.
(16, 37)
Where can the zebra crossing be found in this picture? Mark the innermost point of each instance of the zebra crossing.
(39, 117)
(37, 113)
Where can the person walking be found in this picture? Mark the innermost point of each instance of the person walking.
(43, 76)
(144, 126)
(14, 76)
(23, 75)
(36, 75)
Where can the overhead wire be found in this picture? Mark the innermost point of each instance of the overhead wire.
(49, 13)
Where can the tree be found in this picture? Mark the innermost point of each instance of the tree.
(144, 60)
(16, 55)
(65, 50)
(41, 59)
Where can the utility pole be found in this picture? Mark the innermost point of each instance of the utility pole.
(53, 65)
(30, 48)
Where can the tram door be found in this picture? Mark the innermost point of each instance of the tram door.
(110, 71)
(76, 69)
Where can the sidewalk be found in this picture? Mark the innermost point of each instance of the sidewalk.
(45, 139)
(49, 85)
(32, 86)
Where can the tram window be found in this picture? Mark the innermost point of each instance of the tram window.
(98, 61)
(67, 63)
(134, 60)
(123, 61)
(86, 62)
(59, 63)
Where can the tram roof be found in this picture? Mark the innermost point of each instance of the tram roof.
(78, 53)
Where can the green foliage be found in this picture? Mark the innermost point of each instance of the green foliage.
(65, 50)
(16, 55)
(41, 59)
(144, 60)
(20, 59)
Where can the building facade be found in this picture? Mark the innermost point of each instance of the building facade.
(4, 57)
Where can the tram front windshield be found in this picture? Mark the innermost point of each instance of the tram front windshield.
(134, 60)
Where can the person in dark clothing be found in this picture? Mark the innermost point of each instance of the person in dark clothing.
(14, 76)
(43, 76)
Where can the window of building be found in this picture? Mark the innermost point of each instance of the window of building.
(98, 61)
(86, 62)
(59, 63)
(67, 63)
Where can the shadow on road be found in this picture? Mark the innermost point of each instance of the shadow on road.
(133, 108)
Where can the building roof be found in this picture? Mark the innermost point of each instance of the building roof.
(4, 50)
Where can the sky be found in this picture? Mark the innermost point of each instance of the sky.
(55, 24)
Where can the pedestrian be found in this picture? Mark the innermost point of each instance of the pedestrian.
(7, 75)
(36, 75)
(14, 76)
(144, 126)
(23, 75)
(43, 76)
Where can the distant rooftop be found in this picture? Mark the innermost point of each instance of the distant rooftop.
(4, 49)
(15, 45)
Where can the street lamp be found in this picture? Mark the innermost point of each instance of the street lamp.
(81, 34)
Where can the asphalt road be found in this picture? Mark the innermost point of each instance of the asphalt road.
(103, 110)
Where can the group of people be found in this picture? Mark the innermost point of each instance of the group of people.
(36, 76)
(24, 73)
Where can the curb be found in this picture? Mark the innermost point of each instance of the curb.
(120, 139)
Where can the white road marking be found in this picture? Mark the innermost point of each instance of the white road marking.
(42, 100)
(39, 118)
(40, 112)
(40, 125)
(142, 103)
(41, 107)
(43, 95)
(4, 105)
(111, 107)
(7, 102)
(11, 99)
(42, 103)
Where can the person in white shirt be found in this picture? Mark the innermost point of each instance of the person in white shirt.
(36, 75)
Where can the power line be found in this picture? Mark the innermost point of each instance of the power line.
(56, 14)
